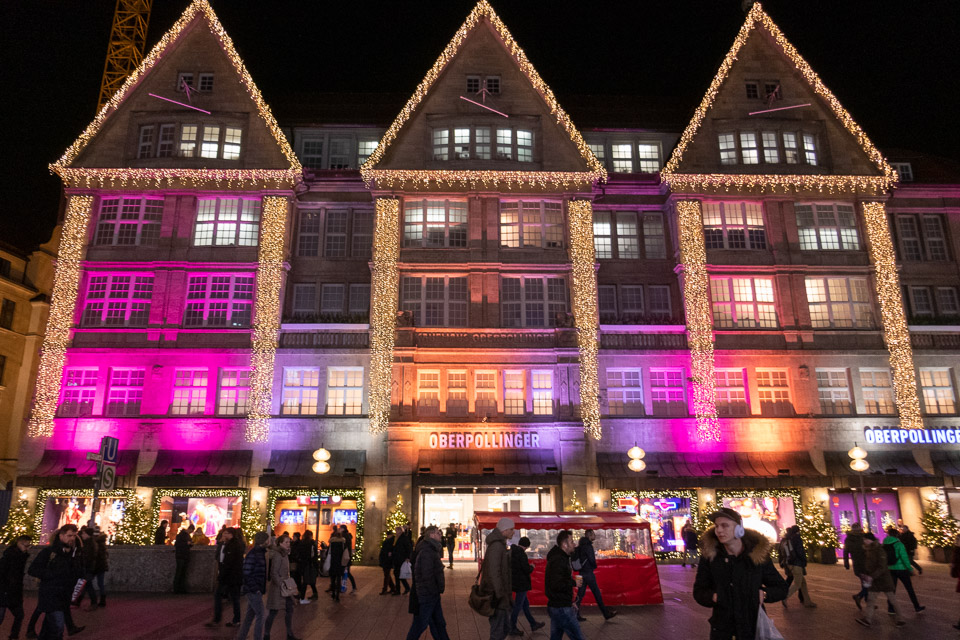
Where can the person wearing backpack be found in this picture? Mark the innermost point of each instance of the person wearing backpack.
(796, 566)
(853, 550)
(899, 563)
(588, 564)
(877, 578)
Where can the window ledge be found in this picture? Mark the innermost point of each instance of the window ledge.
(934, 328)
(320, 326)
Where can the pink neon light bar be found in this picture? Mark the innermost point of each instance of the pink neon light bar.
(484, 106)
(182, 104)
(753, 113)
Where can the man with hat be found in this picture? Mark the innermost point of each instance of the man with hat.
(735, 573)
(495, 577)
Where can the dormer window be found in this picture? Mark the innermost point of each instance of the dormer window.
(492, 84)
(184, 80)
(474, 142)
(905, 170)
(764, 147)
(206, 82)
(473, 84)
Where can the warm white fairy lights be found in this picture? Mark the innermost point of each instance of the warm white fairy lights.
(483, 10)
(830, 184)
(383, 310)
(895, 330)
(127, 177)
(585, 316)
(266, 320)
(66, 279)
(696, 295)
(422, 178)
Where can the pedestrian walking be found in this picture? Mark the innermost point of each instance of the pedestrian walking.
(13, 564)
(520, 570)
(796, 565)
(386, 562)
(402, 549)
(558, 584)
(254, 586)
(910, 544)
(879, 579)
(58, 566)
(307, 566)
(88, 554)
(229, 575)
(955, 570)
(450, 537)
(588, 565)
(734, 576)
(103, 565)
(428, 586)
(899, 563)
(348, 537)
(688, 534)
(160, 534)
(339, 557)
(495, 577)
(280, 591)
(181, 552)
(853, 550)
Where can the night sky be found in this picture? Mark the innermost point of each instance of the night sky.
(894, 65)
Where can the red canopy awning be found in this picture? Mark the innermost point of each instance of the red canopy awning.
(562, 520)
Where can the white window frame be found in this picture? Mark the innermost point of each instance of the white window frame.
(333, 297)
(625, 392)
(126, 221)
(359, 302)
(904, 170)
(428, 393)
(335, 232)
(344, 395)
(621, 157)
(668, 392)
(207, 291)
(514, 392)
(227, 222)
(189, 391)
(739, 303)
(125, 391)
(311, 153)
(839, 302)
(542, 388)
(773, 392)
(79, 391)
(537, 295)
(936, 386)
(308, 233)
(304, 301)
(301, 391)
(526, 224)
(833, 390)
(118, 300)
(825, 226)
(732, 395)
(485, 393)
(233, 394)
(456, 402)
(877, 398)
(424, 220)
(423, 301)
(924, 245)
(648, 157)
(365, 148)
(734, 225)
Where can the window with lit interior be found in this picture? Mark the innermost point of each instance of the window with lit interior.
(129, 221)
(219, 301)
(118, 300)
(227, 222)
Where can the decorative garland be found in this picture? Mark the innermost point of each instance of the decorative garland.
(160, 494)
(764, 493)
(383, 310)
(354, 494)
(582, 255)
(44, 494)
(689, 494)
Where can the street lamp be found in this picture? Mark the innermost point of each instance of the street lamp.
(320, 467)
(636, 463)
(858, 462)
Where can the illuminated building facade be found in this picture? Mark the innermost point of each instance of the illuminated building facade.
(497, 305)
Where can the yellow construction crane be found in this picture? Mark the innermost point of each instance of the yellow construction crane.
(127, 41)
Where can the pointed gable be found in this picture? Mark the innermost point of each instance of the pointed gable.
(481, 48)
(109, 150)
(844, 157)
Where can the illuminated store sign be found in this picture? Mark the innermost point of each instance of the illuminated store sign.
(878, 435)
(485, 440)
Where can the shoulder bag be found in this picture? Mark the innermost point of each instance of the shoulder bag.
(480, 601)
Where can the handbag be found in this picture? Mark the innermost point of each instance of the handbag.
(78, 591)
(326, 564)
(406, 571)
(765, 628)
(479, 600)
(288, 587)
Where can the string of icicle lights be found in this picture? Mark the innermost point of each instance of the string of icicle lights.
(383, 309)
(585, 316)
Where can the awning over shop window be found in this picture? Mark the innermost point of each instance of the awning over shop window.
(946, 461)
(718, 470)
(198, 469)
(488, 467)
(294, 469)
(887, 469)
(70, 469)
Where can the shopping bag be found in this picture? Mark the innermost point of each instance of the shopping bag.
(326, 565)
(78, 591)
(765, 628)
(343, 580)
(406, 572)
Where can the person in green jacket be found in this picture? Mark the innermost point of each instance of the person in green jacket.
(900, 570)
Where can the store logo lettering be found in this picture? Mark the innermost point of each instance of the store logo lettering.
(877, 435)
(485, 440)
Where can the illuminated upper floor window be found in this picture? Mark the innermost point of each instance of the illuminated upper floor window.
(129, 221)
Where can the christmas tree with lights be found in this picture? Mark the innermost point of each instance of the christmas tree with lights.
(816, 530)
(252, 521)
(18, 521)
(396, 517)
(940, 529)
(136, 526)
(575, 503)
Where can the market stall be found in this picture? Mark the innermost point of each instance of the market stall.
(626, 568)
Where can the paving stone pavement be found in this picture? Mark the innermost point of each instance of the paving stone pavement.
(369, 616)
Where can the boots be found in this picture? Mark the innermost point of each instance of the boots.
(103, 601)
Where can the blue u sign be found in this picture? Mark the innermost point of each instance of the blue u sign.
(109, 447)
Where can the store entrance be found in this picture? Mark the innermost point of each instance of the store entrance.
(442, 505)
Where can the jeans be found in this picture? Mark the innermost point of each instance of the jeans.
(499, 624)
(287, 617)
(53, 624)
(232, 592)
(521, 603)
(904, 577)
(799, 584)
(254, 610)
(564, 620)
(590, 580)
(869, 608)
(180, 576)
(430, 615)
(17, 610)
(450, 552)
(103, 592)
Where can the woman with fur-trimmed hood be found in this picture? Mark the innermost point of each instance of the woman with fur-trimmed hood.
(735, 573)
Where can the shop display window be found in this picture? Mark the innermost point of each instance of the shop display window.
(878, 510)
(299, 513)
(209, 512)
(58, 508)
(666, 514)
(770, 513)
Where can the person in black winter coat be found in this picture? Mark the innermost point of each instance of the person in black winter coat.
(181, 552)
(12, 566)
(338, 545)
(853, 550)
(160, 535)
(255, 585)
(558, 584)
(386, 562)
(428, 585)
(306, 559)
(58, 567)
(520, 570)
(103, 565)
(402, 549)
(229, 576)
(89, 555)
(735, 571)
(588, 565)
(910, 543)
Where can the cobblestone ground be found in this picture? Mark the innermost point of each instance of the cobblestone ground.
(367, 616)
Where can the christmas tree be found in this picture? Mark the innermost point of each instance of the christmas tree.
(575, 503)
(396, 517)
(137, 524)
(940, 529)
(816, 530)
(252, 521)
(18, 521)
